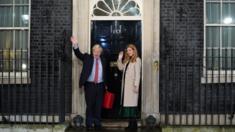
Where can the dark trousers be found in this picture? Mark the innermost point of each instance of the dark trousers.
(94, 99)
(132, 123)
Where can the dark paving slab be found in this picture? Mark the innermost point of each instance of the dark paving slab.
(72, 129)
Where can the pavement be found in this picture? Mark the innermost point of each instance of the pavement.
(72, 129)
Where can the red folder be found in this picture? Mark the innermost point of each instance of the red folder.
(108, 100)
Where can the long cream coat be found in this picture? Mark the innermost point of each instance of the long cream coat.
(132, 82)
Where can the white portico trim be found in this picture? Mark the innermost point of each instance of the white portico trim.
(150, 17)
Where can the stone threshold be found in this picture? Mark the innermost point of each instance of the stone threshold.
(113, 123)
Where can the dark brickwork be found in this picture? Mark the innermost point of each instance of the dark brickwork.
(181, 57)
(51, 25)
(50, 63)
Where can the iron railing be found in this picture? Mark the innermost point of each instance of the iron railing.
(196, 90)
(32, 90)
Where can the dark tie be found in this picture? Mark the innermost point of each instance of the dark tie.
(96, 70)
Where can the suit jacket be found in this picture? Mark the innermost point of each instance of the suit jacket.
(88, 61)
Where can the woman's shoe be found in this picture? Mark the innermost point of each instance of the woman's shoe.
(129, 126)
(134, 125)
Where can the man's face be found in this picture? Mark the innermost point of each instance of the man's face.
(96, 52)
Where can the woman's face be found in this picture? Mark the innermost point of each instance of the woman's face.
(130, 52)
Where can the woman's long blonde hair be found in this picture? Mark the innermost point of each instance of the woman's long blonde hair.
(135, 55)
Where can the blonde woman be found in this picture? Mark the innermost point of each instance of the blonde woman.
(130, 64)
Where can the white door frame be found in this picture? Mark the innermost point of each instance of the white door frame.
(150, 55)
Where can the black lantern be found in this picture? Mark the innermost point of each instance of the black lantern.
(78, 121)
(151, 121)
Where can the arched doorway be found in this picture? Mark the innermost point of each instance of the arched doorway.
(148, 18)
(114, 24)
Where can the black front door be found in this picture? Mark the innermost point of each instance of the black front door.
(114, 36)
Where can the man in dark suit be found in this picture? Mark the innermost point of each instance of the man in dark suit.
(93, 78)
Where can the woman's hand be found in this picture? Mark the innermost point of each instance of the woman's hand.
(136, 90)
(120, 55)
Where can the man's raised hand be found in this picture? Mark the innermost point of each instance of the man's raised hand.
(74, 41)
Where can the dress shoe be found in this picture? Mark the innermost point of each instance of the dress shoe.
(89, 128)
(99, 127)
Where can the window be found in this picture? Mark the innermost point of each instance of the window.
(219, 44)
(14, 39)
(116, 9)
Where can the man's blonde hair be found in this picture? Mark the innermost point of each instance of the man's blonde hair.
(97, 46)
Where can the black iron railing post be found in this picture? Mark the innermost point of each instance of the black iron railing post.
(61, 92)
(2, 87)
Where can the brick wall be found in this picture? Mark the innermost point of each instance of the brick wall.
(181, 54)
(50, 63)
